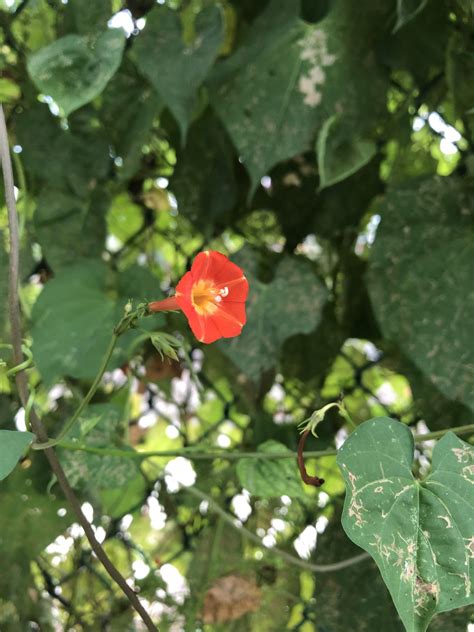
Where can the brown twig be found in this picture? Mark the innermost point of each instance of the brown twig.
(306, 478)
(22, 383)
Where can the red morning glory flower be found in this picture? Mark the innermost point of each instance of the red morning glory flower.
(212, 296)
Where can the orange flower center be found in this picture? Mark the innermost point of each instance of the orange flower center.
(205, 297)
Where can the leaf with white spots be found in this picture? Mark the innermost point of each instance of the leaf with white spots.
(420, 280)
(420, 533)
(291, 304)
(75, 69)
(274, 93)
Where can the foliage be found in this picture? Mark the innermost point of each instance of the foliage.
(326, 148)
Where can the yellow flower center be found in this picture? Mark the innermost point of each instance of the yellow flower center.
(205, 297)
(202, 297)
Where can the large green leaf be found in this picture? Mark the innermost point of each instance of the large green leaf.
(81, 224)
(176, 68)
(204, 181)
(12, 446)
(75, 69)
(420, 280)
(271, 478)
(420, 533)
(102, 426)
(291, 304)
(129, 121)
(74, 316)
(47, 148)
(288, 77)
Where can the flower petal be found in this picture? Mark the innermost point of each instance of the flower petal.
(238, 289)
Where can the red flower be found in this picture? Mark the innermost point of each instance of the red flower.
(212, 296)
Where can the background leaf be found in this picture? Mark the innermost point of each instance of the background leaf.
(75, 69)
(177, 68)
(340, 154)
(289, 305)
(12, 446)
(420, 280)
(272, 478)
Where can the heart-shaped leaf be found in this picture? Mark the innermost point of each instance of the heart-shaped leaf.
(75, 69)
(420, 533)
(174, 67)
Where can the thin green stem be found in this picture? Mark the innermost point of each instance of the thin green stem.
(201, 455)
(90, 394)
(440, 433)
(296, 561)
(190, 453)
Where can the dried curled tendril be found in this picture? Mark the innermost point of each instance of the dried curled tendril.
(306, 478)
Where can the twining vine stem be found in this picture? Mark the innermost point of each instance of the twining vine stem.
(22, 382)
(202, 455)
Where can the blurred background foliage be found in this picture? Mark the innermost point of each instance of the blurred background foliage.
(326, 147)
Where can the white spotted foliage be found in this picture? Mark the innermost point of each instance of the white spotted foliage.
(287, 77)
(420, 280)
(420, 533)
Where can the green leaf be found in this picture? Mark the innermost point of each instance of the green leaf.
(9, 91)
(90, 16)
(101, 425)
(419, 533)
(269, 478)
(291, 304)
(74, 316)
(341, 152)
(176, 68)
(201, 196)
(420, 280)
(12, 446)
(129, 121)
(75, 69)
(80, 223)
(124, 218)
(47, 149)
(288, 77)
(420, 46)
(407, 10)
